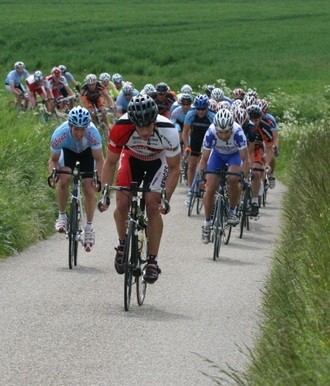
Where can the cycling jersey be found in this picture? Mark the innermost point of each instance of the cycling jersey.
(33, 86)
(198, 127)
(178, 116)
(56, 85)
(164, 140)
(92, 95)
(122, 101)
(62, 139)
(14, 78)
(236, 142)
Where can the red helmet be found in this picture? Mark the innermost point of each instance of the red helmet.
(56, 72)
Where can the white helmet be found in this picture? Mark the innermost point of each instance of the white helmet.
(105, 77)
(217, 94)
(91, 79)
(186, 89)
(223, 105)
(117, 78)
(19, 66)
(223, 120)
(38, 77)
(127, 88)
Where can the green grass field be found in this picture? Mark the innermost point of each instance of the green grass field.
(280, 48)
(267, 44)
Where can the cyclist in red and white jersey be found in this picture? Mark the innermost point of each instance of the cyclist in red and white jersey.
(56, 82)
(147, 147)
(36, 84)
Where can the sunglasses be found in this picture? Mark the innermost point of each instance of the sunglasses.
(185, 104)
(128, 94)
(201, 109)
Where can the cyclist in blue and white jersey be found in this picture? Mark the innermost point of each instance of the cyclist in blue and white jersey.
(126, 94)
(196, 122)
(224, 145)
(13, 82)
(178, 115)
(76, 140)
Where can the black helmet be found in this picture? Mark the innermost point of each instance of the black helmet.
(142, 110)
(254, 111)
(162, 87)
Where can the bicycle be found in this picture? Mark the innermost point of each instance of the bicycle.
(62, 106)
(184, 169)
(101, 125)
(220, 229)
(136, 243)
(195, 196)
(244, 207)
(76, 215)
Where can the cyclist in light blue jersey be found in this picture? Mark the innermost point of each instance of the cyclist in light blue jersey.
(178, 114)
(224, 144)
(126, 94)
(76, 140)
(13, 83)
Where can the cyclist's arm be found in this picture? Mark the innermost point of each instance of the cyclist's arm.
(53, 162)
(68, 90)
(185, 135)
(173, 175)
(109, 167)
(99, 160)
(107, 97)
(204, 158)
(244, 153)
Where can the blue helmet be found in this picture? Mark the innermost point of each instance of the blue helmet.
(201, 102)
(79, 117)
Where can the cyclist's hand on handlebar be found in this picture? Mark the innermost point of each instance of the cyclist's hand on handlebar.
(104, 203)
(165, 207)
(96, 185)
(52, 179)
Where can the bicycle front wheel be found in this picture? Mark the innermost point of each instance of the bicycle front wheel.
(72, 233)
(141, 285)
(130, 249)
(217, 229)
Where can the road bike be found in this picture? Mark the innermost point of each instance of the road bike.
(76, 213)
(195, 197)
(220, 229)
(102, 126)
(136, 245)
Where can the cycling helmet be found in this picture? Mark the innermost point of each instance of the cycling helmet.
(186, 89)
(223, 105)
(56, 72)
(117, 78)
(236, 104)
(148, 89)
(208, 89)
(162, 87)
(91, 79)
(38, 77)
(238, 93)
(185, 98)
(223, 120)
(240, 115)
(217, 94)
(263, 104)
(62, 68)
(19, 66)
(127, 88)
(249, 100)
(252, 93)
(142, 110)
(79, 117)
(105, 77)
(213, 105)
(254, 111)
(201, 102)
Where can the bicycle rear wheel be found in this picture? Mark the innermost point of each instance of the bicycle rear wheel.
(72, 233)
(130, 244)
(191, 203)
(217, 228)
(199, 203)
(244, 212)
(141, 285)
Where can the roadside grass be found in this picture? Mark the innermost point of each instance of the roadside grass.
(268, 43)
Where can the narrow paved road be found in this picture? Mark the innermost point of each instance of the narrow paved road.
(68, 327)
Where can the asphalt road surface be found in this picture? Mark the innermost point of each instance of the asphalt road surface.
(69, 327)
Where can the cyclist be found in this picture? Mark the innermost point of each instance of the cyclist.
(69, 78)
(56, 83)
(196, 122)
(269, 118)
(263, 153)
(106, 82)
(224, 145)
(14, 85)
(76, 140)
(147, 145)
(36, 85)
(126, 94)
(118, 81)
(178, 114)
(238, 94)
(218, 95)
(164, 98)
(95, 97)
(185, 89)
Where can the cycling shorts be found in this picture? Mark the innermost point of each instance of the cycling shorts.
(219, 161)
(20, 87)
(90, 105)
(196, 141)
(69, 158)
(153, 173)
